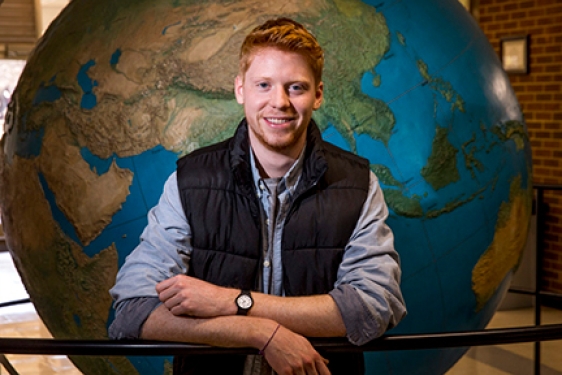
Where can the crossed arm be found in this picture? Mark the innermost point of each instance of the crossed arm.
(366, 299)
(196, 311)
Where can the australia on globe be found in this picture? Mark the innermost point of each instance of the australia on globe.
(116, 91)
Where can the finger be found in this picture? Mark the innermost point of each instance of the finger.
(167, 294)
(176, 307)
(311, 370)
(322, 367)
(172, 300)
(310, 365)
(163, 285)
(178, 310)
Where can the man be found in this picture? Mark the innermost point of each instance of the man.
(268, 237)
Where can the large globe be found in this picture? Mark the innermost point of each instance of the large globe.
(116, 91)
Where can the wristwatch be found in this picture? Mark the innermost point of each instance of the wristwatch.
(244, 301)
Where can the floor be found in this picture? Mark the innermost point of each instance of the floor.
(514, 359)
(22, 321)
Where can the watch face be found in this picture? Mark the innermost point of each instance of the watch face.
(244, 301)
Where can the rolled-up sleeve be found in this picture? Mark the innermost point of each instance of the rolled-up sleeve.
(163, 252)
(130, 317)
(367, 291)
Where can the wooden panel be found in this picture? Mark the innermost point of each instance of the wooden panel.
(17, 21)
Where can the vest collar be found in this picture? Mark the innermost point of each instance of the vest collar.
(314, 165)
(240, 159)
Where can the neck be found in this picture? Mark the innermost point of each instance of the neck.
(273, 164)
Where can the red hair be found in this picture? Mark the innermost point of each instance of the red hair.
(286, 35)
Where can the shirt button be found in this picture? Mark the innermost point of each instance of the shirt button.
(266, 221)
(266, 264)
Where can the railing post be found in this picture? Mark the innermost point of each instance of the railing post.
(541, 211)
(538, 273)
(7, 365)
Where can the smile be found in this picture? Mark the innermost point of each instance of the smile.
(277, 121)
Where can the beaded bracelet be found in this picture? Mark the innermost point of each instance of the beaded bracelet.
(261, 352)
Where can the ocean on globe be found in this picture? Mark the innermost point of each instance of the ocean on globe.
(116, 91)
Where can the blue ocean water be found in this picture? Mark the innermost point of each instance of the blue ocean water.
(150, 170)
(165, 29)
(458, 57)
(115, 57)
(28, 142)
(87, 84)
(47, 93)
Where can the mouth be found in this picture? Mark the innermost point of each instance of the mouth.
(278, 120)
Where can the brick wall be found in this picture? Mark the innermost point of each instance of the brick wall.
(540, 96)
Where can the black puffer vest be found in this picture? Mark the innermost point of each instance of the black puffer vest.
(219, 199)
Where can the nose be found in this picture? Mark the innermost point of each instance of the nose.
(279, 97)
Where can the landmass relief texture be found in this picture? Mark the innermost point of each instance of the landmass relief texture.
(504, 254)
(441, 169)
(88, 200)
(116, 91)
(68, 288)
(103, 91)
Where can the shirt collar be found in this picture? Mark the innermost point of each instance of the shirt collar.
(289, 181)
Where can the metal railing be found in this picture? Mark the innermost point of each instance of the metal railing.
(385, 343)
(16, 302)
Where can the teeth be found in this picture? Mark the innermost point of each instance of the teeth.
(277, 121)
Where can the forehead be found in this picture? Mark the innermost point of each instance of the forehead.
(273, 60)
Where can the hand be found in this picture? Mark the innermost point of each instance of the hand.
(289, 353)
(185, 295)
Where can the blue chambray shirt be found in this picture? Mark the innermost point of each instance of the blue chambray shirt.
(275, 203)
(367, 290)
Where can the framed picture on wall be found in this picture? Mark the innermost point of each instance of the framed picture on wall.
(514, 52)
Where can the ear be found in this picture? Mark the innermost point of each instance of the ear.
(319, 94)
(239, 89)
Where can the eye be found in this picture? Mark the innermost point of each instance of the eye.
(296, 87)
(263, 85)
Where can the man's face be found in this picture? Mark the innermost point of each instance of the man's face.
(279, 94)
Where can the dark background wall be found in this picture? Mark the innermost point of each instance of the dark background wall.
(540, 95)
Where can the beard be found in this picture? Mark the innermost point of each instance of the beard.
(282, 141)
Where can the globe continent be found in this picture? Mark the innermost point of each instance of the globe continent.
(115, 92)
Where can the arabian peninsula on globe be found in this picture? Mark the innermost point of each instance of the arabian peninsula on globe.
(116, 91)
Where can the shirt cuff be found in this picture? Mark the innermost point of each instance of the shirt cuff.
(360, 324)
(130, 316)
